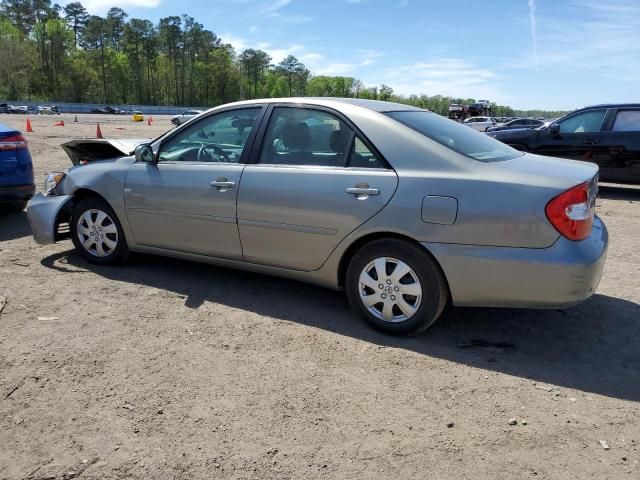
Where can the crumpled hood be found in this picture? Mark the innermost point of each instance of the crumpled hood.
(87, 150)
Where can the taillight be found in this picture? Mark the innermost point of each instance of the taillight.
(572, 212)
(15, 142)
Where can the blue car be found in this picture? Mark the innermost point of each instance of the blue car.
(16, 170)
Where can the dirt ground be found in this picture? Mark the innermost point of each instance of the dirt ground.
(165, 369)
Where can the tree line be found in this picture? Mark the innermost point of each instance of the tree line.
(49, 52)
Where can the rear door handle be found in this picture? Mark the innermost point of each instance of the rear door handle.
(591, 142)
(362, 192)
(223, 184)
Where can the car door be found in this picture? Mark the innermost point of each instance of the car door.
(620, 157)
(578, 136)
(314, 181)
(186, 199)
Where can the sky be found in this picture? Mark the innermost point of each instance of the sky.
(547, 54)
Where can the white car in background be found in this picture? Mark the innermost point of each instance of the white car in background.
(480, 123)
(183, 117)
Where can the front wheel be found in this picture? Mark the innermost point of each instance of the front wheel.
(396, 287)
(97, 233)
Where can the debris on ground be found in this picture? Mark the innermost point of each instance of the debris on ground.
(487, 346)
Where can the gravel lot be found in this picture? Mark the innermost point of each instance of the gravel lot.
(165, 369)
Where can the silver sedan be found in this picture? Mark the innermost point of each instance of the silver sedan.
(405, 210)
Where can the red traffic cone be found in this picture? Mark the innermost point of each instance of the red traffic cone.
(98, 131)
(59, 124)
(149, 121)
(29, 129)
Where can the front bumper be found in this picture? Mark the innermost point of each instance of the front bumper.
(559, 276)
(17, 193)
(42, 212)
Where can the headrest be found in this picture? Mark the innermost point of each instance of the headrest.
(297, 136)
(338, 141)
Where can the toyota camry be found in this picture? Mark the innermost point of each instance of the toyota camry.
(405, 210)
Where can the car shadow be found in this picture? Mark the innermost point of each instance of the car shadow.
(13, 225)
(594, 347)
(614, 191)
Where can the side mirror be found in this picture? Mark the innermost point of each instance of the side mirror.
(144, 153)
(554, 129)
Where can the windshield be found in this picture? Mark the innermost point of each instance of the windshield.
(457, 137)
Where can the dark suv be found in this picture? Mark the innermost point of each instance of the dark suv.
(608, 135)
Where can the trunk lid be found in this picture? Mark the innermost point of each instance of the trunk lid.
(83, 151)
(556, 173)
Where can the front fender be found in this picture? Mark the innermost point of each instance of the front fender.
(42, 212)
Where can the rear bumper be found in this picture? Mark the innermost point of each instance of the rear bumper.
(559, 276)
(42, 212)
(17, 193)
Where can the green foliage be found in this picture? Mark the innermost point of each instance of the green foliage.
(87, 58)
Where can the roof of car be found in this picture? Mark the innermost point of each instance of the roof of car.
(611, 105)
(376, 105)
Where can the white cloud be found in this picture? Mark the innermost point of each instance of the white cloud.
(275, 6)
(101, 6)
(599, 36)
(534, 38)
(277, 54)
(273, 10)
(444, 76)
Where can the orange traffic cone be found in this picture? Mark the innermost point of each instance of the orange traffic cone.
(59, 124)
(98, 131)
(29, 129)
(149, 121)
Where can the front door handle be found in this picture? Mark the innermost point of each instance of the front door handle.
(362, 192)
(223, 184)
(591, 142)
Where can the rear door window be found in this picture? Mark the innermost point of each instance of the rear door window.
(627, 121)
(362, 157)
(304, 136)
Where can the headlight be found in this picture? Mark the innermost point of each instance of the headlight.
(51, 181)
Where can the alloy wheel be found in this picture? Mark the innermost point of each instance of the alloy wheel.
(390, 289)
(97, 233)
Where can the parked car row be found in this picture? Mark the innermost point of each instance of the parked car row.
(607, 135)
(29, 110)
(111, 110)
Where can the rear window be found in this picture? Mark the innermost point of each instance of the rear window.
(457, 137)
(627, 121)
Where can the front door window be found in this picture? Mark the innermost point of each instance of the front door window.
(217, 138)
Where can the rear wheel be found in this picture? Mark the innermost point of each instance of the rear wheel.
(97, 233)
(396, 287)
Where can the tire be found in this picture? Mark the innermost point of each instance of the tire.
(94, 218)
(404, 314)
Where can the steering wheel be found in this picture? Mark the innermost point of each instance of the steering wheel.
(218, 152)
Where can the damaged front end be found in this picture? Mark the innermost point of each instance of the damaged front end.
(86, 150)
(50, 212)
